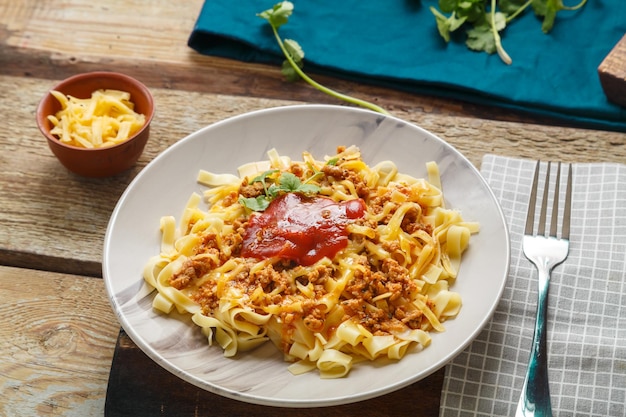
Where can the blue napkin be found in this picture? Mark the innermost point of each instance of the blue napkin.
(395, 44)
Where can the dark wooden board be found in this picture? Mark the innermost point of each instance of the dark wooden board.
(139, 387)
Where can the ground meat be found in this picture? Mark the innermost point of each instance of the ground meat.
(411, 224)
(369, 284)
(394, 271)
(390, 246)
(376, 297)
(376, 205)
(338, 174)
(206, 297)
(232, 245)
(296, 170)
(207, 243)
(412, 319)
(314, 319)
(192, 269)
(251, 190)
(266, 278)
(230, 199)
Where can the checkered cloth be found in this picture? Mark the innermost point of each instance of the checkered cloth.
(586, 308)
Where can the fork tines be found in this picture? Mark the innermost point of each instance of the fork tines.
(530, 219)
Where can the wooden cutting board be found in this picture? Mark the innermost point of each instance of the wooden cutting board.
(612, 73)
(139, 387)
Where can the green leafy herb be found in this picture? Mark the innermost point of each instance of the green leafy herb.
(333, 161)
(292, 66)
(259, 203)
(289, 183)
(548, 10)
(261, 178)
(286, 183)
(483, 24)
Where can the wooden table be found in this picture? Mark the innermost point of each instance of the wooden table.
(58, 333)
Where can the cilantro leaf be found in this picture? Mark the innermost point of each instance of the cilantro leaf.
(286, 183)
(472, 10)
(279, 15)
(548, 9)
(548, 20)
(259, 203)
(448, 6)
(272, 191)
(483, 20)
(263, 176)
(297, 56)
(308, 189)
(447, 24)
(510, 7)
(291, 183)
(480, 38)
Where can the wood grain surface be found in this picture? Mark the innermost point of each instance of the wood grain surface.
(612, 73)
(149, 41)
(55, 220)
(57, 334)
(57, 331)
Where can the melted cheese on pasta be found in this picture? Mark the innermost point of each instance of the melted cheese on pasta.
(380, 295)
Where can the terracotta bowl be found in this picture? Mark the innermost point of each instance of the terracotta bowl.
(97, 162)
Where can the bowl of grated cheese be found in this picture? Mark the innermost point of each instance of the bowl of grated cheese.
(98, 123)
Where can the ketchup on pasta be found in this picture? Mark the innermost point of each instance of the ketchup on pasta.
(300, 228)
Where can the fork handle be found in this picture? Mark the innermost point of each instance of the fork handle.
(535, 398)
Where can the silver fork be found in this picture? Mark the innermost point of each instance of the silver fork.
(545, 251)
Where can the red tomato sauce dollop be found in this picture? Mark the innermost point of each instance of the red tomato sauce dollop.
(300, 228)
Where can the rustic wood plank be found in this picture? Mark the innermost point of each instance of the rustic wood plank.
(102, 29)
(35, 44)
(57, 335)
(106, 36)
(55, 220)
(612, 73)
(55, 357)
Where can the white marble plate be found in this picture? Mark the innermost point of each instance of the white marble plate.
(261, 376)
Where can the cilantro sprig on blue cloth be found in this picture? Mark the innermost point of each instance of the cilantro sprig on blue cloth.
(484, 20)
(398, 45)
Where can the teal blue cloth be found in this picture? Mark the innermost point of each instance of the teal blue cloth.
(395, 43)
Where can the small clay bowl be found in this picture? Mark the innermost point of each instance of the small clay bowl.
(97, 162)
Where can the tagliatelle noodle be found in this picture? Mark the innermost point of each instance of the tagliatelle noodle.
(379, 296)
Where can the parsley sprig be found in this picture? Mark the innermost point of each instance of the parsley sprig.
(484, 24)
(277, 16)
(285, 183)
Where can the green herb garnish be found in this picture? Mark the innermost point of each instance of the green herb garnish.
(484, 24)
(259, 203)
(286, 183)
(333, 161)
(292, 66)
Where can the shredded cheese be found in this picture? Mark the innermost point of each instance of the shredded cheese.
(105, 119)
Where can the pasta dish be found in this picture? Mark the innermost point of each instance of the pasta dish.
(331, 260)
